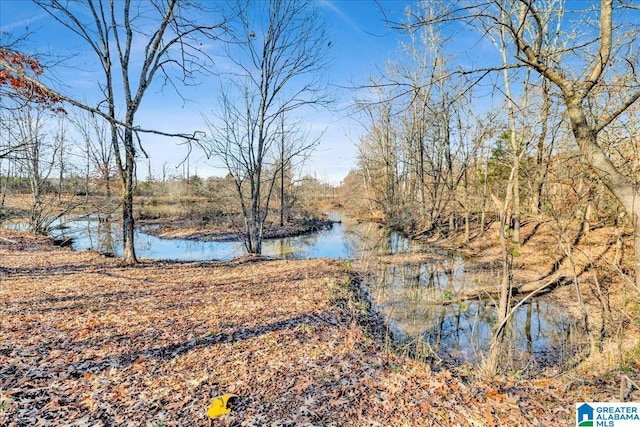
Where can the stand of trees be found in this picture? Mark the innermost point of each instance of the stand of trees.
(171, 49)
(278, 49)
(547, 128)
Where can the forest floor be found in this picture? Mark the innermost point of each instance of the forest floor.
(88, 341)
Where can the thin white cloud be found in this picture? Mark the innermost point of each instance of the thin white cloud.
(334, 8)
(25, 23)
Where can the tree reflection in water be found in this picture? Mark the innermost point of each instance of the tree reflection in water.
(410, 294)
(410, 281)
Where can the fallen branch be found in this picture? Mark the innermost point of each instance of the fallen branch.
(545, 287)
(626, 387)
(528, 289)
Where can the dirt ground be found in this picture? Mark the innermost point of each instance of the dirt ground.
(86, 341)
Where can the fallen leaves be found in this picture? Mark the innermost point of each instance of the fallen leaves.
(87, 341)
(496, 395)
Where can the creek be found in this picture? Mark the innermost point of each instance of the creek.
(407, 282)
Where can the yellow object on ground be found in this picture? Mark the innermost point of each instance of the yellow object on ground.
(218, 405)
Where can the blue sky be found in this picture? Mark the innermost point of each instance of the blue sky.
(361, 45)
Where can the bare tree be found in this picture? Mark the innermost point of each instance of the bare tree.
(585, 70)
(95, 142)
(39, 156)
(420, 139)
(277, 72)
(378, 153)
(113, 31)
(291, 140)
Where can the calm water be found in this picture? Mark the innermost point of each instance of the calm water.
(407, 293)
(107, 238)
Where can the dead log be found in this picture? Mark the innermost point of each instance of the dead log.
(539, 287)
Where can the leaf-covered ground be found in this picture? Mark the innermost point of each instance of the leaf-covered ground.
(85, 341)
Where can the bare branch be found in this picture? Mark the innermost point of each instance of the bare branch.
(604, 122)
(91, 109)
(602, 59)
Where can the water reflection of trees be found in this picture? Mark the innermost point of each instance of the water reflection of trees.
(411, 294)
(99, 235)
(102, 238)
(408, 289)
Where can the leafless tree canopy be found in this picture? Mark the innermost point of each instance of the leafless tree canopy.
(480, 108)
(135, 44)
(276, 70)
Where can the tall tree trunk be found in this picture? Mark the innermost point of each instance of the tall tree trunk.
(282, 195)
(541, 170)
(491, 363)
(128, 226)
(483, 200)
(620, 185)
(282, 172)
(515, 220)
